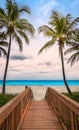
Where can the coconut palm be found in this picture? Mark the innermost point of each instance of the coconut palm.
(60, 31)
(15, 27)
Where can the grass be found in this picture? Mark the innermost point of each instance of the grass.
(5, 98)
(74, 96)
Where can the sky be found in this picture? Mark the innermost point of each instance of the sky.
(28, 64)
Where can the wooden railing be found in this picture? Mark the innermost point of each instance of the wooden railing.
(66, 109)
(12, 112)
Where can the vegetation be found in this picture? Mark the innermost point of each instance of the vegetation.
(74, 96)
(60, 30)
(3, 43)
(74, 49)
(14, 27)
(5, 98)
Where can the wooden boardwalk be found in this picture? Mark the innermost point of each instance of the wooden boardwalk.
(40, 116)
(22, 113)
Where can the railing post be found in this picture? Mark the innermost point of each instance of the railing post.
(76, 122)
(12, 120)
(26, 87)
(21, 107)
(73, 119)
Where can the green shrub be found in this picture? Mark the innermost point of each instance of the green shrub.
(5, 98)
(74, 96)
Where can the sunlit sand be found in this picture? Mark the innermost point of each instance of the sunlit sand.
(38, 91)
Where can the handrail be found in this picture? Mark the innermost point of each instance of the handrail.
(66, 109)
(11, 113)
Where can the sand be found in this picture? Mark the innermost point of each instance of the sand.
(38, 91)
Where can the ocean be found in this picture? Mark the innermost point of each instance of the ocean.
(40, 83)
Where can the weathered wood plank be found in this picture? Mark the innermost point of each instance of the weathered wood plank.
(12, 113)
(40, 116)
(66, 109)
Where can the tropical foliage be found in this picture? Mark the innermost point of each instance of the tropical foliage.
(15, 27)
(3, 44)
(5, 98)
(74, 49)
(60, 31)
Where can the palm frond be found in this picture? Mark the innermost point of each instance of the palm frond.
(47, 30)
(72, 49)
(3, 43)
(77, 19)
(3, 35)
(24, 35)
(71, 43)
(76, 34)
(30, 29)
(19, 41)
(9, 6)
(2, 50)
(69, 17)
(2, 12)
(14, 14)
(25, 9)
(3, 17)
(47, 45)
(59, 22)
(71, 26)
(73, 58)
(23, 24)
(55, 15)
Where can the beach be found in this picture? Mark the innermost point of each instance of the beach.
(38, 91)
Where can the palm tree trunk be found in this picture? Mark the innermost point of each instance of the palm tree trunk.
(6, 67)
(64, 77)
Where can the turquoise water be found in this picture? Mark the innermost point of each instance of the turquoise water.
(40, 82)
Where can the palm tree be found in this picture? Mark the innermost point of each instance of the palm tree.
(60, 32)
(15, 27)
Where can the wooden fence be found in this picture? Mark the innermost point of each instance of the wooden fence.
(11, 113)
(66, 109)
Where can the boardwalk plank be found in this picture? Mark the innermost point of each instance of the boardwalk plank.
(40, 116)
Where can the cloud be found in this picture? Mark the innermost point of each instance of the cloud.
(47, 6)
(13, 70)
(16, 68)
(27, 73)
(19, 70)
(40, 64)
(21, 57)
(48, 63)
(43, 72)
(45, 63)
